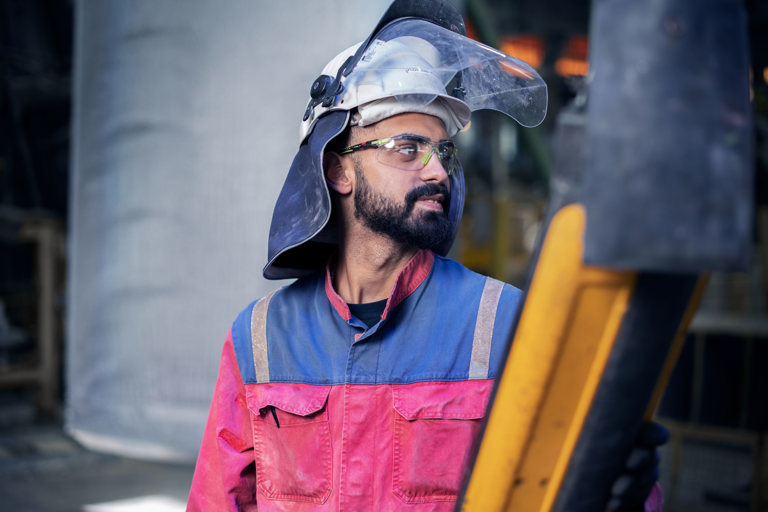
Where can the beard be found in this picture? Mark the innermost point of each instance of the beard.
(427, 230)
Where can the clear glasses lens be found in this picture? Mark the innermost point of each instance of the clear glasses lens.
(412, 153)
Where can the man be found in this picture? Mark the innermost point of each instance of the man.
(362, 385)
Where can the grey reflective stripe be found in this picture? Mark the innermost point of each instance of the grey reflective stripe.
(259, 338)
(486, 315)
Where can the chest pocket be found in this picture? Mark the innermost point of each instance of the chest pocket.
(435, 427)
(292, 441)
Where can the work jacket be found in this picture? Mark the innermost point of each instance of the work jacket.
(313, 411)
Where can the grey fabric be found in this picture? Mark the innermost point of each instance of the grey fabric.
(185, 121)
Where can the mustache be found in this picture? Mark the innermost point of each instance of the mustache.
(428, 189)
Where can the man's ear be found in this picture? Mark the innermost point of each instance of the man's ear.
(339, 172)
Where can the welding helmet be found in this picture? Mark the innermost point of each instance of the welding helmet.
(417, 59)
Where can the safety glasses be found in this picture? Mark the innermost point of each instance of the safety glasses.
(410, 152)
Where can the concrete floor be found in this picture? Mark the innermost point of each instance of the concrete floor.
(44, 470)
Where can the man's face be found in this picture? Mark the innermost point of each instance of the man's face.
(410, 207)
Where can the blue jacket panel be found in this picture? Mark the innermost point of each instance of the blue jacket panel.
(428, 336)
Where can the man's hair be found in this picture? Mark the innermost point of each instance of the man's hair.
(342, 140)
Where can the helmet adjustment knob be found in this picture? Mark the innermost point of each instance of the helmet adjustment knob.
(320, 86)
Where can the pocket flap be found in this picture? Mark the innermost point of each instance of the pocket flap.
(442, 400)
(299, 399)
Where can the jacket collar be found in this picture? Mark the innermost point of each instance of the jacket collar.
(409, 279)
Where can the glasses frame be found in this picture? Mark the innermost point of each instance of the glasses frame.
(448, 159)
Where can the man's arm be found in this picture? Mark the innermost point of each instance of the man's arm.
(225, 474)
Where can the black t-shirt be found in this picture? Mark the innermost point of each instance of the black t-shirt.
(370, 312)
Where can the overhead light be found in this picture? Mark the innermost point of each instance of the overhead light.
(573, 60)
(526, 47)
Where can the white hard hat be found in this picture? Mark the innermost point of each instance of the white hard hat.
(391, 79)
(418, 61)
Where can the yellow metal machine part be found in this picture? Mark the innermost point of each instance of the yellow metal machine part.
(564, 338)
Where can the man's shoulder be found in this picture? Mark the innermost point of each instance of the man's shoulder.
(453, 268)
(249, 329)
(296, 293)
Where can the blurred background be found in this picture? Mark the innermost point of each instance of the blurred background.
(142, 147)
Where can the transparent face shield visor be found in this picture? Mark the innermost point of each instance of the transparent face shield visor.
(412, 57)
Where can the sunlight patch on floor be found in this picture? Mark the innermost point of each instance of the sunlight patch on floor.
(140, 504)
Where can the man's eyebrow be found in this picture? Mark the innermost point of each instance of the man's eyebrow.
(416, 136)
(412, 136)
